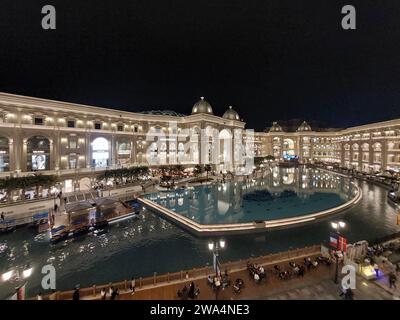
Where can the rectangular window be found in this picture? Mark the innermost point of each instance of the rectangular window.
(71, 123)
(38, 121)
(120, 127)
(135, 129)
(97, 126)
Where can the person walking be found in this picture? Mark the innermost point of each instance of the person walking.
(376, 268)
(392, 280)
(133, 285)
(103, 294)
(75, 295)
(114, 294)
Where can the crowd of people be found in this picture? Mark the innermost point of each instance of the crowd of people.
(189, 293)
(258, 273)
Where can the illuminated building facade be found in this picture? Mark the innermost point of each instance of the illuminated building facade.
(76, 142)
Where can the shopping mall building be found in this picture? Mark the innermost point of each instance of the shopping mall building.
(76, 142)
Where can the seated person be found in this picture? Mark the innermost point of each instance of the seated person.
(239, 282)
(256, 277)
(217, 282)
(184, 291)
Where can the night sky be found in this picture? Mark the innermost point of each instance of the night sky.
(270, 59)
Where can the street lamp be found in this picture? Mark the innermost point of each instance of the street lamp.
(215, 246)
(27, 272)
(7, 275)
(14, 276)
(337, 225)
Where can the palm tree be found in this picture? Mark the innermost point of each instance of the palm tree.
(198, 169)
(180, 168)
(270, 158)
(207, 169)
(18, 183)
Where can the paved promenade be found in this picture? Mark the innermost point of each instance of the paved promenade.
(252, 290)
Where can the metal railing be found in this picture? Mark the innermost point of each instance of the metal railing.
(186, 275)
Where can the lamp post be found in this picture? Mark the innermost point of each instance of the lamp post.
(15, 276)
(215, 246)
(337, 225)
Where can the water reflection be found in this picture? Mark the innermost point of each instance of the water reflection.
(279, 193)
(150, 244)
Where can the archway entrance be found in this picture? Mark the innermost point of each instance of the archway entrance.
(100, 153)
(225, 150)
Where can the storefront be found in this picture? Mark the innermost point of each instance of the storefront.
(38, 154)
(4, 155)
(100, 153)
(124, 152)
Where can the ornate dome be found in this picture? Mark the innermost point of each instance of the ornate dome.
(163, 113)
(304, 127)
(275, 127)
(202, 106)
(231, 114)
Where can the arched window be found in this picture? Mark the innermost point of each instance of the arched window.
(100, 152)
(124, 152)
(4, 155)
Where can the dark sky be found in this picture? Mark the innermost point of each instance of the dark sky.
(270, 59)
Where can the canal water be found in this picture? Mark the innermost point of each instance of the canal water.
(148, 244)
(281, 193)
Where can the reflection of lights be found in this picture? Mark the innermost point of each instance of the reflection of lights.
(7, 275)
(27, 273)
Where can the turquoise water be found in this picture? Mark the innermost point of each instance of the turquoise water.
(139, 247)
(281, 193)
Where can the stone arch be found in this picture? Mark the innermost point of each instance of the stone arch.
(225, 150)
(100, 152)
(4, 153)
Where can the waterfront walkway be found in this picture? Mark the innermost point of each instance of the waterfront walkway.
(167, 286)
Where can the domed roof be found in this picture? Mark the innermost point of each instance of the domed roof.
(275, 127)
(202, 106)
(304, 127)
(231, 114)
